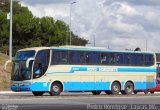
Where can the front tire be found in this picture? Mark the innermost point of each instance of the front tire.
(96, 92)
(38, 93)
(115, 88)
(56, 89)
(129, 88)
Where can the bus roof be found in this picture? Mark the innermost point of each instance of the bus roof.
(83, 48)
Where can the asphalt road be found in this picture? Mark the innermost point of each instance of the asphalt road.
(78, 101)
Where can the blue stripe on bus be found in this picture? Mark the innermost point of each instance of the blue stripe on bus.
(93, 69)
(137, 70)
(91, 86)
(80, 86)
(86, 86)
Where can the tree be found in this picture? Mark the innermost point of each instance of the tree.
(30, 31)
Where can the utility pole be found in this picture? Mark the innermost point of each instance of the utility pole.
(10, 37)
(70, 21)
(146, 44)
(94, 37)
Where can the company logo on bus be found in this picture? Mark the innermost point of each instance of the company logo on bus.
(93, 69)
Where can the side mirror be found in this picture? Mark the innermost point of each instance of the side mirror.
(6, 63)
(28, 61)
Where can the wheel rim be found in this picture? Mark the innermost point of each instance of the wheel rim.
(115, 88)
(55, 88)
(129, 89)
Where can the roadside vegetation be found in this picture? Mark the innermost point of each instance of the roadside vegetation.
(31, 31)
(4, 74)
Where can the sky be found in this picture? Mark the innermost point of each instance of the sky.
(115, 24)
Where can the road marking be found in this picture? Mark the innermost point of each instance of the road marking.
(59, 98)
(29, 106)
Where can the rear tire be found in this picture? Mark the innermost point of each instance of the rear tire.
(108, 92)
(115, 88)
(56, 89)
(129, 88)
(38, 93)
(135, 92)
(152, 92)
(96, 92)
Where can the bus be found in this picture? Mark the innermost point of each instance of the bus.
(82, 69)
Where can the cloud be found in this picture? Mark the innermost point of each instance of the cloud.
(117, 24)
(45, 2)
(136, 2)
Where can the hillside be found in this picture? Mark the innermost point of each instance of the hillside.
(4, 75)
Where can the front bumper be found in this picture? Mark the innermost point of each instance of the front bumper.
(37, 86)
(20, 88)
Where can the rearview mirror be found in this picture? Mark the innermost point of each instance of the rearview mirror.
(6, 63)
(28, 61)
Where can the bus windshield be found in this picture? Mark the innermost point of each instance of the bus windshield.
(19, 70)
(24, 55)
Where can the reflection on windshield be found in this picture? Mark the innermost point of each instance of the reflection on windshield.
(24, 55)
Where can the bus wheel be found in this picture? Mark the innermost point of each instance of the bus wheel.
(38, 93)
(96, 92)
(115, 88)
(108, 92)
(135, 92)
(129, 88)
(152, 92)
(56, 89)
(146, 91)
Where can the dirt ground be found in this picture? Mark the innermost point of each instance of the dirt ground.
(5, 75)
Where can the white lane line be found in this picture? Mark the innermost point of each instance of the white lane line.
(30, 106)
(56, 98)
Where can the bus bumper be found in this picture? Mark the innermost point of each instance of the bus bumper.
(37, 86)
(20, 88)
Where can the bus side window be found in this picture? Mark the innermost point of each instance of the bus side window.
(119, 59)
(41, 63)
(112, 58)
(149, 60)
(104, 58)
(76, 57)
(92, 58)
(59, 57)
(126, 59)
(137, 59)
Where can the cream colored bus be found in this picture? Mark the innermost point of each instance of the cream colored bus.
(82, 69)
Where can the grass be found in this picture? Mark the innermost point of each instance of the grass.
(5, 75)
